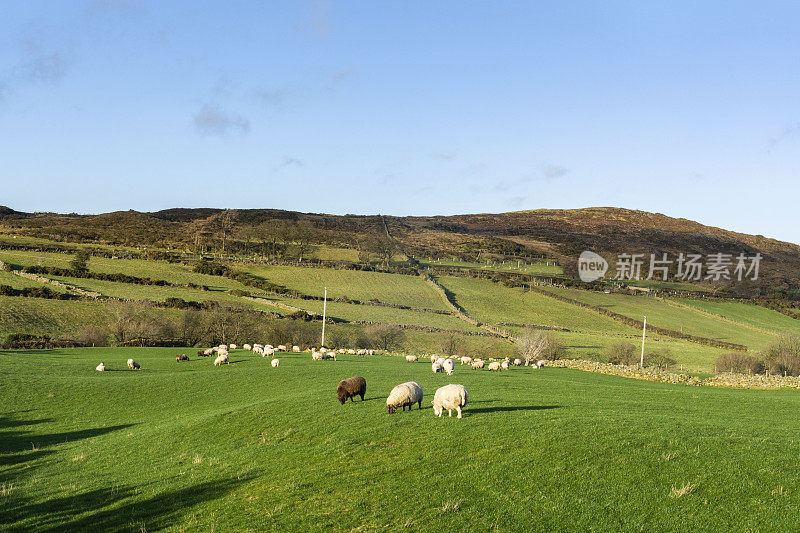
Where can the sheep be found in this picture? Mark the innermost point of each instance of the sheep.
(201, 353)
(275, 363)
(478, 365)
(181, 357)
(268, 347)
(434, 358)
(362, 351)
(540, 364)
(233, 346)
(504, 365)
(466, 360)
(494, 365)
(316, 356)
(258, 351)
(133, 365)
(342, 350)
(296, 349)
(281, 348)
(350, 388)
(450, 397)
(247, 347)
(222, 347)
(267, 352)
(405, 394)
(351, 351)
(411, 358)
(323, 349)
(370, 352)
(448, 365)
(436, 366)
(100, 368)
(222, 358)
(517, 362)
(209, 352)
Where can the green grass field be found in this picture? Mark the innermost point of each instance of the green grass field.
(660, 313)
(56, 318)
(357, 285)
(753, 316)
(247, 447)
(544, 269)
(18, 282)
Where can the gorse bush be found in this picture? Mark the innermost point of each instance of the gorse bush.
(783, 356)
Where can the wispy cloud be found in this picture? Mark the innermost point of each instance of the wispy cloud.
(318, 19)
(211, 120)
(288, 162)
(552, 172)
(788, 133)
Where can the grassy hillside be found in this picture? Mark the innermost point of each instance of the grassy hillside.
(660, 313)
(250, 447)
(56, 318)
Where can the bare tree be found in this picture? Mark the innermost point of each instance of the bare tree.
(448, 344)
(385, 336)
(536, 345)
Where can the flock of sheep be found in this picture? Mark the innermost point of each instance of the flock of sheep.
(451, 397)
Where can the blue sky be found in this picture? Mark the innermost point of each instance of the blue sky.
(690, 109)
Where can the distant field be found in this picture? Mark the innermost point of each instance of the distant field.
(662, 314)
(247, 447)
(17, 282)
(749, 315)
(56, 318)
(357, 285)
(494, 303)
(543, 268)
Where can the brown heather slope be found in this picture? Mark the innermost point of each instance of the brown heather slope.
(554, 233)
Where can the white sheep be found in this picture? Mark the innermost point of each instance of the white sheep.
(450, 397)
(133, 365)
(362, 351)
(541, 363)
(370, 352)
(405, 394)
(234, 346)
(221, 358)
(448, 365)
(434, 358)
(208, 351)
(222, 347)
(494, 365)
(268, 346)
(351, 351)
(247, 347)
(258, 351)
(281, 347)
(466, 360)
(267, 352)
(342, 350)
(100, 368)
(504, 365)
(478, 365)
(436, 366)
(316, 356)
(411, 358)
(275, 362)
(295, 348)
(517, 362)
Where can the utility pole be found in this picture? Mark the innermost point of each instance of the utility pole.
(644, 330)
(324, 308)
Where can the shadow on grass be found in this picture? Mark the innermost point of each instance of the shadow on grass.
(14, 441)
(111, 509)
(500, 409)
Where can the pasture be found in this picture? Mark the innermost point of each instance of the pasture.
(246, 447)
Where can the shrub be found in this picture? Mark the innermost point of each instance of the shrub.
(623, 353)
(535, 345)
(738, 363)
(92, 336)
(783, 356)
(385, 336)
(660, 358)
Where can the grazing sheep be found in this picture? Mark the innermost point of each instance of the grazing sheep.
(342, 350)
(540, 364)
(222, 347)
(296, 349)
(247, 347)
(504, 365)
(267, 352)
(259, 351)
(411, 358)
(362, 351)
(436, 366)
(405, 394)
(517, 362)
(370, 352)
(448, 365)
(209, 352)
(201, 353)
(100, 368)
(268, 347)
(494, 365)
(450, 397)
(434, 358)
(275, 362)
(281, 347)
(233, 346)
(478, 365)
(466, 360)
(222, 358)
(181, 357)
(351, 351)
(133, 365)
(351, 387)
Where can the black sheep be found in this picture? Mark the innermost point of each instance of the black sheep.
(350, 387)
